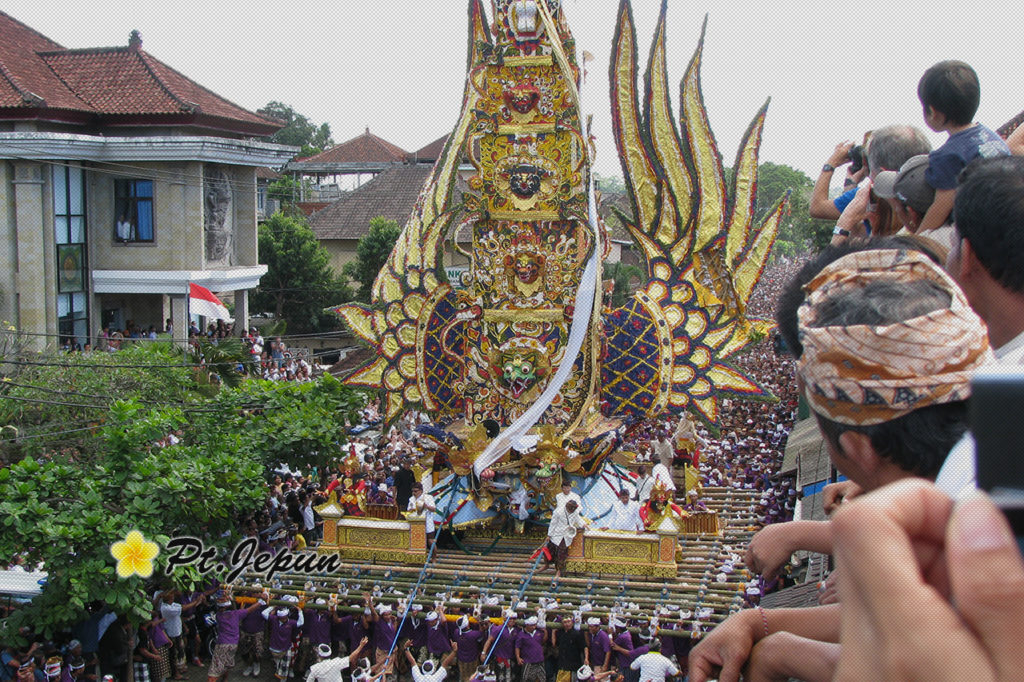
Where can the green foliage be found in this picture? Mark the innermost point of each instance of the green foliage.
(299, 131)
(67, 498)
(289, 190)
(299, 282)
(65, 514)
(623, 275)
(299, 424)
(372, 253)
(67, 393)
(797, 229)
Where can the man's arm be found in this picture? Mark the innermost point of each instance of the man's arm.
(727, 647)
(772, 546)
(938, 212)
(821, 205)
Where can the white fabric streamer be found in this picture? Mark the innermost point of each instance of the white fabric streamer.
(580, 327)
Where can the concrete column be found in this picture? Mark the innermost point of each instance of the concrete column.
(179, 318)
(33, 256)
(241, 311)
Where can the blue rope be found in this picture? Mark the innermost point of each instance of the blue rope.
(519, 596)
(415, 589)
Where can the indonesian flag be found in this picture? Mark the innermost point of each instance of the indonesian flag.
(203, 302)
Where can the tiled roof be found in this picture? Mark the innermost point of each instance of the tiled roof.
(432, 151)
(392, 194)
(39, 78)
(365, 149)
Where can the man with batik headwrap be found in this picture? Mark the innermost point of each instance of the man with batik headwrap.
(889, 344)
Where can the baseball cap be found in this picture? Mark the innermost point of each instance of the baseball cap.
(908, 184)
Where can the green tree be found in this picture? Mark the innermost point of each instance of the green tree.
(797, 230)
(299, 282)
(288, 190)
(299, 424)
(299, 131)
(372, 253)
(623, 275)
(66, 514)
(56, 403)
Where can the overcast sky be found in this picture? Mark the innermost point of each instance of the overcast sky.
(399, 67)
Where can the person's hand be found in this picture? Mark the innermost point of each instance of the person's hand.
(841, 154)
(856, 212)
(769, 550)
(829, 592)
(783, 656)
(725, 649)
(834, 494)
(907, 555)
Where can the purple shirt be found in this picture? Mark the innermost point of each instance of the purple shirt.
(340, 629)
(668, 644)
(637, 653)
(417, 632)
(600, 645)
(383, 634)
(356, 632)
(317, 626)
(253, 622)
(531, 646)
(470, 643)
(227, 625)
(159, 636)
(505, 645)
(624, 640)
(281, 632)
(437, 638)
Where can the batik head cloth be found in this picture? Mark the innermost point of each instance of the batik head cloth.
(866, 374)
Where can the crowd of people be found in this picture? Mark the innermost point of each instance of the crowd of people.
(922, 287)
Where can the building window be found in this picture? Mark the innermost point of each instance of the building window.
(73, 317)
(70, 237)
(133, 209)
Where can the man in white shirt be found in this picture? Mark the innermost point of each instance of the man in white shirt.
(625, 514)
(429, 671)
(663, 475)
(329, 669)
(565, 521)
(567, 494)
(987, 261)
(653, 666)
(423, 503)
(644, 483)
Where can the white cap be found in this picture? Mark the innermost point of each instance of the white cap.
(282, 612)
(432, 616)
(417, 607)
(584, 673)
(532, 620)
(324, 651)
(593, 621)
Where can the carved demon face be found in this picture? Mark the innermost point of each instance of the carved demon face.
(524, 180)
(527, 267)
(519, 370)
(522, 97)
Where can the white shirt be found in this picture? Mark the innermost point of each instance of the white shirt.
(643, 488)
(653, 667)
(327, 670)
(307, 516)
(564, 525)
(625, 516)
(419, 676)
(662, 473)
(958, 475)
(427, 506)
(562, 498)
(171, 613)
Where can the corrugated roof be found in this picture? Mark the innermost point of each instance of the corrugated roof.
(391, 194)
(41, 79)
